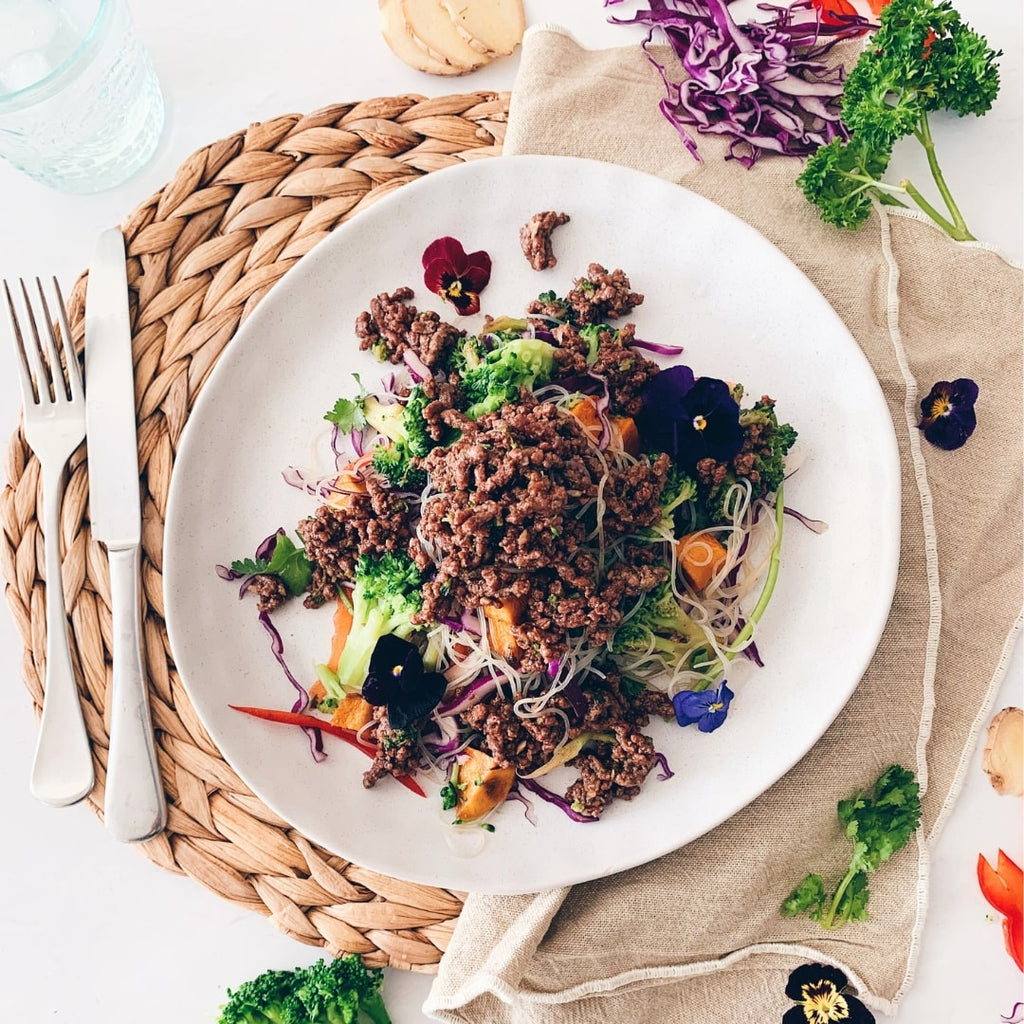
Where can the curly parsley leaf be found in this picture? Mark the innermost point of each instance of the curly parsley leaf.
(879, 824)
(923, 58)
(288, 563)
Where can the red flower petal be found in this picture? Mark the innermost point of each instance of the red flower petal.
(446, 248)
(477, 271)
(436, 271)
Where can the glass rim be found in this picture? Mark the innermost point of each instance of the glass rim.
(47, 85)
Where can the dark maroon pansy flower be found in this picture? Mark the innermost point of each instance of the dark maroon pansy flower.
(821, 997)
(690, 419)
(947, 413)
(396, 679)
(457, 277)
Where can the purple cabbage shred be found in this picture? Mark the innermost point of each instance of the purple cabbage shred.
(764, 84)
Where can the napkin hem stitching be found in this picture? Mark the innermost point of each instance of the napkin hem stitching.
(931, 557)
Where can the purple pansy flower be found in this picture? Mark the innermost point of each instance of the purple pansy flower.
(690, 419)
(819, 991)
(947, 413)
(707, 708)
(396, 679)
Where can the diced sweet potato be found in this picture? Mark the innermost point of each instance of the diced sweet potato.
(352, 713)
(624, 434)
(350, 480)
(701, 555)
(500, 620)
(482, 785)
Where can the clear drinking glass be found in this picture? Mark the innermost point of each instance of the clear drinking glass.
(80, 105)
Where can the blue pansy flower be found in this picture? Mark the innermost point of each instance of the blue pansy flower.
(707, 708)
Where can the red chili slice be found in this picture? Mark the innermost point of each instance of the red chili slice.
(1003, 887)
(312, 722)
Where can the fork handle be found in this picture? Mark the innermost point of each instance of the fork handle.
(135, 807)
(62, 771)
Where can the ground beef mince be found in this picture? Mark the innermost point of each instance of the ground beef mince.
(602, 296)
(514, 499)
(535, 238)
(398, 750)
(390, 326)
(270, 592)
(625, 371)
(606, 768)
(337, 536)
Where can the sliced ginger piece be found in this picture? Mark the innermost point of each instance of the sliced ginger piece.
(1003, 760)
(482, 785)
(433, 31)
(397, 35)
(494, 27)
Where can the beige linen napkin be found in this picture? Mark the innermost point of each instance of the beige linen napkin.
(697, 936)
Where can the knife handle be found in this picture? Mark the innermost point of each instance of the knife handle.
(134, 807)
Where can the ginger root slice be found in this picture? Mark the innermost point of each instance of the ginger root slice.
(1003, 758)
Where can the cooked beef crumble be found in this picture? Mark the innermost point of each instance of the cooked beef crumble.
(508, 517)
(337, 537)
(390, 326)
(595, 299)
(535, 238)
(607, 769)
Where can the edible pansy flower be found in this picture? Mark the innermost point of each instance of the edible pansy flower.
(457, 277)
(821, 997)
(396, 679)
(707, 708)
(947, 413)
(690, 418)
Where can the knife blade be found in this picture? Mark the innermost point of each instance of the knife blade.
(134, 808)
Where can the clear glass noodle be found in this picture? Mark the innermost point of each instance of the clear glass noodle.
(80, 105)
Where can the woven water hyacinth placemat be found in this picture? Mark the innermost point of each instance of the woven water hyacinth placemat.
(202, 252)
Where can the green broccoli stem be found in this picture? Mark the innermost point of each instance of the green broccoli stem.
(754, 617)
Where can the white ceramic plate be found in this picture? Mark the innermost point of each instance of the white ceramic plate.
(743, 313)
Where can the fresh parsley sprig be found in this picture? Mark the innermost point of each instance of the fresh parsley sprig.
(878, 825)
(922, 59)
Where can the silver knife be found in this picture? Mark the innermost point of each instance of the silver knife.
(134, 806)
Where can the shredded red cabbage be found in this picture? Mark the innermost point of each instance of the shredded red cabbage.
(553, 798)
(666, 773)
(762, 84)
(417, 368)
(814, 525)
(527, 806)
(316, 740)
(654, 346)
(481, 687)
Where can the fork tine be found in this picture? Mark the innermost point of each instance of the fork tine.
(51, 352)
(29, 396)
(37, 362)
(70, 358)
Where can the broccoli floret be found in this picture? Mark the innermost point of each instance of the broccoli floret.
(336, 991)
(660, 627)
(678, 492)
(774, 441)
(398, 467)
(267, 999)
(417, 436)
(765, 446)
(327, 992)
(522, 362)
(385, 597)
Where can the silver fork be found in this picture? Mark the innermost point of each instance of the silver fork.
(54, 424)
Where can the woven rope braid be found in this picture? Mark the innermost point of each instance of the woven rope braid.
(202, 252)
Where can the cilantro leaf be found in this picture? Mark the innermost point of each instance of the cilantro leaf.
(879, 824)
(347, 414)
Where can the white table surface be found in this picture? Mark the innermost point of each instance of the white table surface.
(90, 930)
